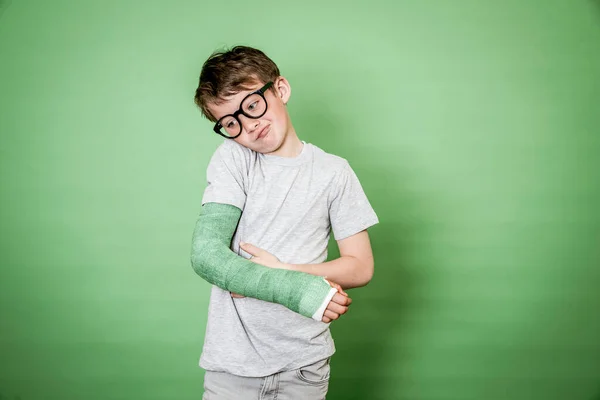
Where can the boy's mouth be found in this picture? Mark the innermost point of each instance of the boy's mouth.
(264, 131)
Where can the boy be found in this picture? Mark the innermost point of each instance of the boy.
(292, 194)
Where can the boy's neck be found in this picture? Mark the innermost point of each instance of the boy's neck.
(291, 146)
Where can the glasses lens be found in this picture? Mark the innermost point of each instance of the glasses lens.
(254, 105)
(230, 126)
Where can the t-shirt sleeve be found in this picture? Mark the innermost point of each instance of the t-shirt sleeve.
(349, 210)
(226, 176)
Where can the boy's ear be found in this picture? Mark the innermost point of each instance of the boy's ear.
(283, 88)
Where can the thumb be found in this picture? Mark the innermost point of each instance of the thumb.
(336, 286)
(250, 249)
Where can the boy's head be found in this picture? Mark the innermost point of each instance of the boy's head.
(241, 90)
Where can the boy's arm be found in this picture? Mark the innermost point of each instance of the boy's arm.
(354, 268)
(213, 260)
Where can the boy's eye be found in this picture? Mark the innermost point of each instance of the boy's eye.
(229, 123)
(252, 106)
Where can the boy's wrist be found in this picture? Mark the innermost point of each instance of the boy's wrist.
(289, 267)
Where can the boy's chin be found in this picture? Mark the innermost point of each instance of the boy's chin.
(265, 147)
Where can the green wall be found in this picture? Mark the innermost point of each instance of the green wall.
(473, 126)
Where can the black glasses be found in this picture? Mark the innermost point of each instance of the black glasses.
(253, 106)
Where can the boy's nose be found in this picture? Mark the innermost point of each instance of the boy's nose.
(249, 124)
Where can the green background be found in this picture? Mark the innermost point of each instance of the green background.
(472, 125)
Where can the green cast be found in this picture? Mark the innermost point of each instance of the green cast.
(214, 261)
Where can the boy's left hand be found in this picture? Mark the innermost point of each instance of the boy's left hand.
(262, 257)
(336, 307)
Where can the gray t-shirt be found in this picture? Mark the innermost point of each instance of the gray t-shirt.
(289, 206)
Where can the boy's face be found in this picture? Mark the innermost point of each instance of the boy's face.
(267, 133)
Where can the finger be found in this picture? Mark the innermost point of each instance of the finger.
(336, 308)
(237, 296)
(331, 315)
(338, 287)
(340, 290)
(326, 320)
(341, 299)
(251, 249)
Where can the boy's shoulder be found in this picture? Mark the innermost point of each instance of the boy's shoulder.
(231, 151)
(331, 160)
(231, 146)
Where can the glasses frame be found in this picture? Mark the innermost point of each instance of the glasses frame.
(261, 92)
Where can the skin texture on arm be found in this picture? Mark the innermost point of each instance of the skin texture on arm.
(354, 268)
(213, 260)
(335, 308)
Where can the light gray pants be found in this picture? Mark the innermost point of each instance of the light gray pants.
(307, 383)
